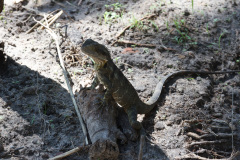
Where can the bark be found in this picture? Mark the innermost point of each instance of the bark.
(101, 124)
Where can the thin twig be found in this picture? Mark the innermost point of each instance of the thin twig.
(42, 20)
(68, 153)
(146, 17)
(54, 36)
(79, 2)
(71, 4)
(133, 43)
(142, 142)
(53, 19)
(60, 4)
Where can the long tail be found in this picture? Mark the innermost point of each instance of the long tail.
(158, 90)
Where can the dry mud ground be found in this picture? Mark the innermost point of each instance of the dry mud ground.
(196, 114)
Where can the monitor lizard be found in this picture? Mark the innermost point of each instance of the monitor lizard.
(118, 86)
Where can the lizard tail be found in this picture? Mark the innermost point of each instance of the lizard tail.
(149, 105)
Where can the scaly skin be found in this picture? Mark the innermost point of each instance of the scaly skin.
(120, 88)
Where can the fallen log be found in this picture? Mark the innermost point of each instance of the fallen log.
(101, 124)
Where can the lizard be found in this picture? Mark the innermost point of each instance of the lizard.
(120, 89)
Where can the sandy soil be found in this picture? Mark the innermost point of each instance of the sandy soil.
(194, 115)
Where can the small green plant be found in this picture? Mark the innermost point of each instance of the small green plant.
(109, 17)
(207, 28)
(33, 119)
(116, 59)
(115, 12)
(192, 5)
(189, 79)
(219, 39)
(130, 70)
(136, 23)
(156, 5)
(154, 25)
(182, 30)
(115, 5)
(167, 25)
(146, 50)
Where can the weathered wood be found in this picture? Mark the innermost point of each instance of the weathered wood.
(101, 124)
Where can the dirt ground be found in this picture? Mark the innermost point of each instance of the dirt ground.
(195, 115)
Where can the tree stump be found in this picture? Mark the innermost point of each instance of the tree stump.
(101, 124)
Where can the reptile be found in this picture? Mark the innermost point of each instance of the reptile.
(120, 89)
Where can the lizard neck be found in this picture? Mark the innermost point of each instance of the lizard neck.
(99, 64)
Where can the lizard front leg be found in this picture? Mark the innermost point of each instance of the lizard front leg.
(95, 83)
(108, 84)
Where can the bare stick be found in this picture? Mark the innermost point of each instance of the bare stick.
(146, 17)
(53, 19)
(60, 4)
(54, 36)
(142, 142)
(79, 2)
(42, 20)
(133, 43)
(68, 153)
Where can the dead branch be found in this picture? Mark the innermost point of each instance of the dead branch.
(146, 17)
(68, 153)
(54, 36)
(133, 43)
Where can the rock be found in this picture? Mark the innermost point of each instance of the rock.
(186, 12)
(159, 125)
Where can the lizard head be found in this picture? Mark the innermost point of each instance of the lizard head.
(96, 51)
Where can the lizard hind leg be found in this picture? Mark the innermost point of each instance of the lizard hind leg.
(132, 116)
